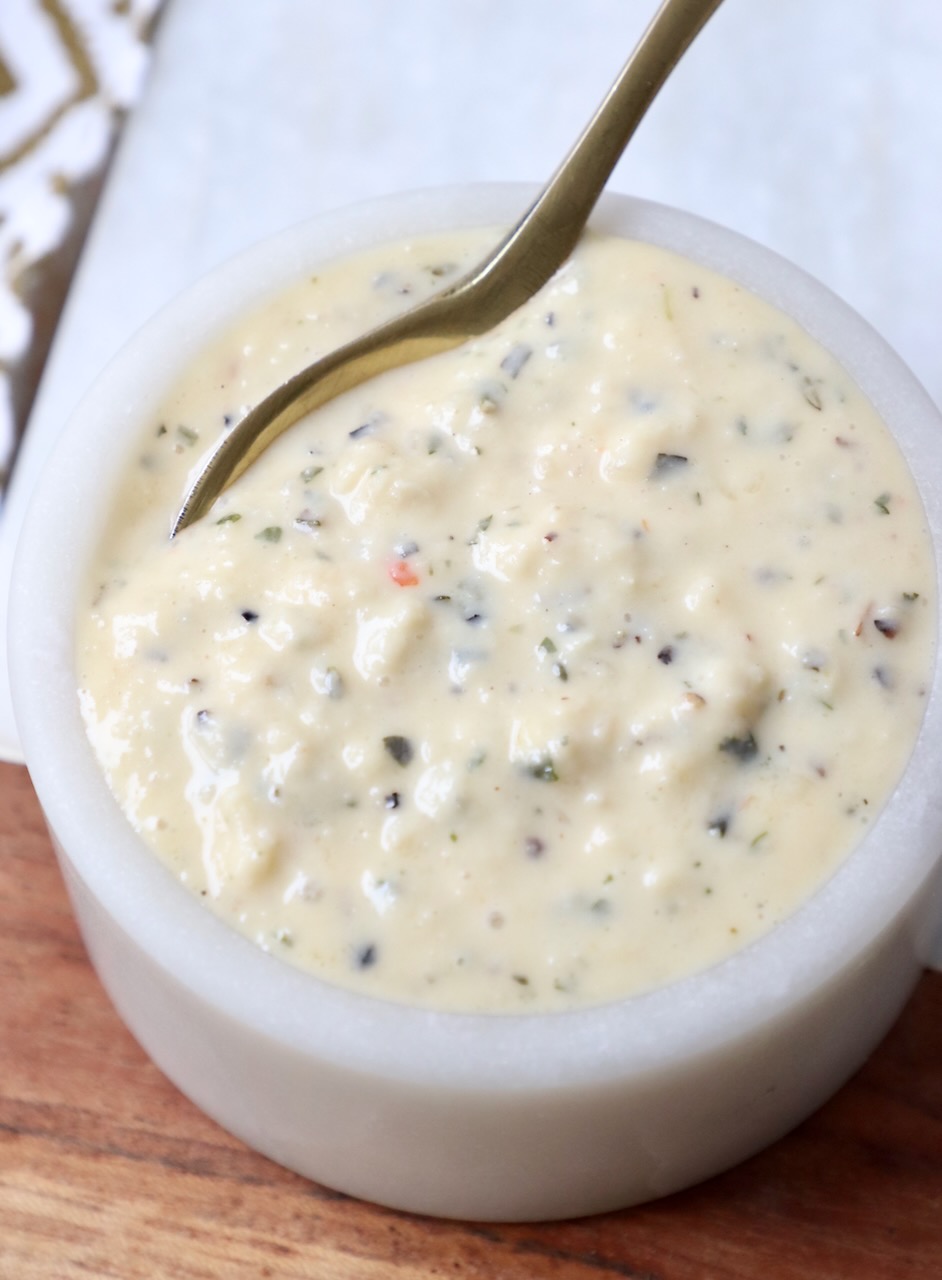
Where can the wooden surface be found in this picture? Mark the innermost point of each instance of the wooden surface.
(106, 1171)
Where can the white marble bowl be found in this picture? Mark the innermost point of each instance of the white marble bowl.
(488, 1117)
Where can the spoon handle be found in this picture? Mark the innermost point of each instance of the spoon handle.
(547, 233)
(520, 265)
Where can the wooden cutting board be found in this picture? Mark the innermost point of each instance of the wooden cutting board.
(107, 1171)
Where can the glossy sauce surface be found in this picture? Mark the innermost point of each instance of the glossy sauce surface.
(532, 676)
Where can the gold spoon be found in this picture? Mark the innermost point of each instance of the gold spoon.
(520, 265)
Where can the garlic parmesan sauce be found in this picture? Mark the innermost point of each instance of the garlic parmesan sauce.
(535, 675)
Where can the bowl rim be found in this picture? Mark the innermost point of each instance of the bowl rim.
(653, 1032)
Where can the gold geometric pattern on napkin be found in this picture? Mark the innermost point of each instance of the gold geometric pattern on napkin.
(69, 71)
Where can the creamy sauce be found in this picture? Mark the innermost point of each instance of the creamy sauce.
(529, 677)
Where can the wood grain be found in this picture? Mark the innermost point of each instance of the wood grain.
(107, 1171)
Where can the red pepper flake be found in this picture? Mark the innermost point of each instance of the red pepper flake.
(402, 574)
(886, 627)
(551, 536)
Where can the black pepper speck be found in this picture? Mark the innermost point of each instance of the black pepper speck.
(399, 748)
